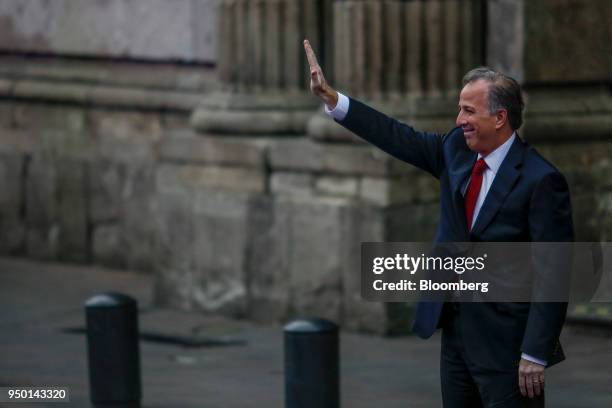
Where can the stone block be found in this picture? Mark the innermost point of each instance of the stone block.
(41, 208)
(267, 261)
(106, 183)
(73, 93)
(12, 235)
(149, 29)
(174, 250)
(337, 186)
(173, 287)
(42, 242)
(15, 142)
(175, 121)
(568, 113)
(171, 177)
(576, 37)
(505, 41)
(219, 247)
(320, 127)
(602, 173)
(12, 228)
(296, 155)
(11, 184)
(142, 99)
(391, 191)
(204, 31)
(289, 183)
(72, 209)
(137, 217)
(63, 144)
(307, 155)
(315, 258)
(107, 248)
(600, 225)
(186, 146)
(276, 121)
(364, 224)
(6, 114)
(39, 116)
(6, 87)
(41, 187)
(126, 137)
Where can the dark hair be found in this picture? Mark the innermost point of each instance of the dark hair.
(504, 93)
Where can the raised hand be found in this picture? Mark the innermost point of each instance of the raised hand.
(318, 84)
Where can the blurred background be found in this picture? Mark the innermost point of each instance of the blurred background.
(178, 140)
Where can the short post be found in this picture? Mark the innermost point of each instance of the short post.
(312, 372)
(113, 351)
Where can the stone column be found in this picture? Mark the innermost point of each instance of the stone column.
(262, 67)
(424, 46)
(394, 54)
(561, 51)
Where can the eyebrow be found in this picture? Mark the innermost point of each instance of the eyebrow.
(465, 106)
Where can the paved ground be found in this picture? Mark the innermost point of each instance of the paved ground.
(39, 301)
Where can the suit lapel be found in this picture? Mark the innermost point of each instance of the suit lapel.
(459, 172)
(505, 179)
(461, 168)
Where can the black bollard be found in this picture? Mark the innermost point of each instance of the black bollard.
(312, 373)
(113, 351)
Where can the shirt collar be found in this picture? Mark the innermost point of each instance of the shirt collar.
(497, 156)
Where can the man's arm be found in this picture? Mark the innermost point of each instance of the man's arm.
(550, 220)
(420, 149)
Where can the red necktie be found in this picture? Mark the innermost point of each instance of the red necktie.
(473, 190)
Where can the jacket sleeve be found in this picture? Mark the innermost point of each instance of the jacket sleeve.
(550, 220)
(421, 149)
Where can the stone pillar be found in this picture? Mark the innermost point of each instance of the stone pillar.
(262, 67)
(569, 109)
(395, 54)
(561, 51)
(423, 46)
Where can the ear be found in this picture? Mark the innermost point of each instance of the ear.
(501, 118)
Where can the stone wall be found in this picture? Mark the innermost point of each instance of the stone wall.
(268, 228)
(79, 146)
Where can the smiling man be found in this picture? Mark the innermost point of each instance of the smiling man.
(493, 187)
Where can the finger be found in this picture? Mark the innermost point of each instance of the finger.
(522, 385)
(310, 55)
(536, 386)
(529, 386)
(542, 381)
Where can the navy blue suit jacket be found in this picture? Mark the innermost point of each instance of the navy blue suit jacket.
(528, 201)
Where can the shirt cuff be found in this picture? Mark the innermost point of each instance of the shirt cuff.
(341, 109)
(533, 359)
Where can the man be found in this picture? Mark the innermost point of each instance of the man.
(494, 187)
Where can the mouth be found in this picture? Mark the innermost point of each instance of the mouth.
(468, 132)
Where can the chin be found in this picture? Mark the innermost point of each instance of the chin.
(471, 144)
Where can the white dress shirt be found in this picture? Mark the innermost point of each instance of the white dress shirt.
(493, 160)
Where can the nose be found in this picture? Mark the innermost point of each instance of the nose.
(460, 119)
